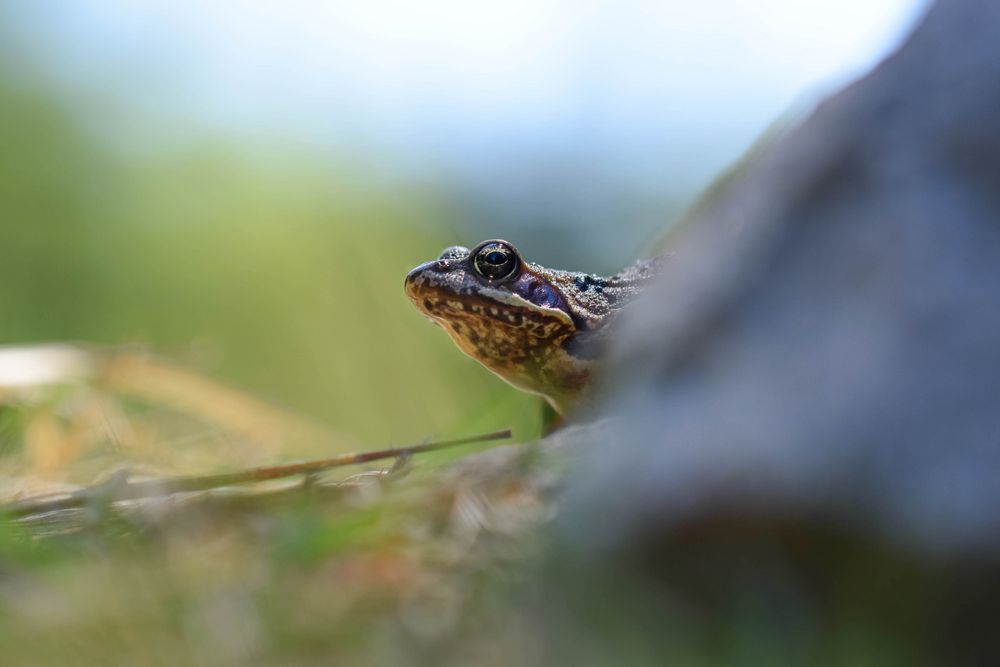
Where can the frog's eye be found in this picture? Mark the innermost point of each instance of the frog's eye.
(496, 261)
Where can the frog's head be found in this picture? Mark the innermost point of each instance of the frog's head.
(512, 316)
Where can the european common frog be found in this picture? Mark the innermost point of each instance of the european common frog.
(539, 329)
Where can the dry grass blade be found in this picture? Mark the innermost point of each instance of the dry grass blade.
(119, 488)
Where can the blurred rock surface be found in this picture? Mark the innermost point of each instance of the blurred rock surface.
(809, 399)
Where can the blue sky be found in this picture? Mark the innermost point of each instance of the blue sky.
(605, 99)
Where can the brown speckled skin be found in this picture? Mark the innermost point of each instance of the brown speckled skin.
(540, 330)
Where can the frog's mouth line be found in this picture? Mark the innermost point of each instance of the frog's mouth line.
(504, 307)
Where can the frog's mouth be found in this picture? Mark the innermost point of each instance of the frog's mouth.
(444, 304)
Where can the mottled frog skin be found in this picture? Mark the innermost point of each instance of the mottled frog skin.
(539, 329)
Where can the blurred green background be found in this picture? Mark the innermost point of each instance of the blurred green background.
(268, 268)
(242, 188)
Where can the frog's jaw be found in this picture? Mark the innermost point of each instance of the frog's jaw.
(519, 341)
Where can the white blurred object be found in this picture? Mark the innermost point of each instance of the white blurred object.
(24, 367)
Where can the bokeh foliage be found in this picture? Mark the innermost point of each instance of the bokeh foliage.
(274, 270)
(268, 267)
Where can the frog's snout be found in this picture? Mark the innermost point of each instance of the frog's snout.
(410, 283)
(416, 277)
(427, 275)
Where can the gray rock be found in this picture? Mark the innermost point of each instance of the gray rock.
(828, 332)
(815, 380)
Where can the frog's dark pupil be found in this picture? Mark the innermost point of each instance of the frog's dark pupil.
(495, 262)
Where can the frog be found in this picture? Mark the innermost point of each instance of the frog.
(541, 330)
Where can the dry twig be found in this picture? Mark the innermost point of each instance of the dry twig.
(119, 488)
